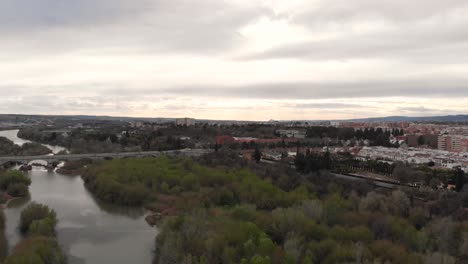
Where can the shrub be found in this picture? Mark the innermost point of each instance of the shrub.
(18, 190)
(13, 177)
(37, 250)
(44, 227)
(37, 212)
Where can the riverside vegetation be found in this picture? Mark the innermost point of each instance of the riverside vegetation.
(221, 210)
(8, 148)
(39, 246)
(37, 225)
(13, 184)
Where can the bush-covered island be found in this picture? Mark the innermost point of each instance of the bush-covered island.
(271, 214)
(13, 184)
(39, 245)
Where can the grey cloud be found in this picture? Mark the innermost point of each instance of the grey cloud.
(417, 86)
(328, 106)
(425, 85)
(28, 15)
(145, 25)
(337, 11)
(418, 43)
(47, 13)
(421, 110)
(35, 31)
(427, 31)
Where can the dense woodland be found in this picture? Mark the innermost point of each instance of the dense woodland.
(376, 137)
(282, 216)
(118, 137)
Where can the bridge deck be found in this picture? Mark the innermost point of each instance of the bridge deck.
(116, 155)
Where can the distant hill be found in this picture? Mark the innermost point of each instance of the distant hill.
(448, 118)
(83, 118)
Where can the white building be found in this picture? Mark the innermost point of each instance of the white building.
(291, 133)
(185, 121)
(441, 158)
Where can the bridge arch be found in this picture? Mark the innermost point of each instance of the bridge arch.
(39, 162)
(11, 163)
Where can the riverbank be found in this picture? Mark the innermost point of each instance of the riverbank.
(7, 199)
(74, 167)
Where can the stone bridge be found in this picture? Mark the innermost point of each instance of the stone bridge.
(53, 159)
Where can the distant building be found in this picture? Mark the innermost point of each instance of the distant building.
(220, 140)
(412, 140)
(432, 140)
(138, 124)
(428, 140)
(291, 133)
(335, 123)
(185, 121)
(270, 155)
(453, 143)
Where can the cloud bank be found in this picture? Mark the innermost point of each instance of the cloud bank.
(234, 59)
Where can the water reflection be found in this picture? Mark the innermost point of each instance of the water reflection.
(131, 212)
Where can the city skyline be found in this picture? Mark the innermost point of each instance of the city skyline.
(234, 60)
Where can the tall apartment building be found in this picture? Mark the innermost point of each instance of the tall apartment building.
(454, 143)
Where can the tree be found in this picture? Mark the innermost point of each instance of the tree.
(257, 156)
(18, 190)
(36, 212)
(37, 250)
(406, 174)
(326, 164)
(300, 162)
(459, 179)
(445, 232)
(13, 178)
(53, 136)
(400, 203)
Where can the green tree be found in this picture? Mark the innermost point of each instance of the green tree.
(326, 160)
(459, 179)
(37, 212)
(13, 177)
(257, 156)
(18, 190)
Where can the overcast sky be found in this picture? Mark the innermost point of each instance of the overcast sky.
(234, 59)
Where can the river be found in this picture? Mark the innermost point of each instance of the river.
(89, 231)
(13, 136)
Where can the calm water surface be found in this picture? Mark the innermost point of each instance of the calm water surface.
(89, 231)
